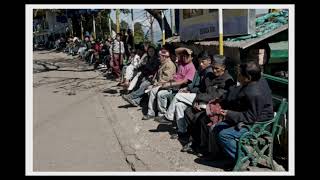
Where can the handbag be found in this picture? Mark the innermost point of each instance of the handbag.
(213, 111)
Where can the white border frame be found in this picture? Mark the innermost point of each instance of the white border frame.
(29, 83)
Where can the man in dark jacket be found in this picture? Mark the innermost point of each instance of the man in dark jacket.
(246, 104)
(217, 87)
(252, 103)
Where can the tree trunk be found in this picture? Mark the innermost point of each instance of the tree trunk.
(76, 28)
(157, 15)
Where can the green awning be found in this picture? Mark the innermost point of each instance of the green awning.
(279, 52)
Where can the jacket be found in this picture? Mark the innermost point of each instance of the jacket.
(216, 87)
(249, 103)
(201, 80)
(165, 72)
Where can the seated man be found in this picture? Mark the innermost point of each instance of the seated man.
(184, 76)
(186, 96)
(165, 73)
(217, 87)
(247, 104)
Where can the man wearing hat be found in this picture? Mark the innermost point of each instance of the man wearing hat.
(165, 73)
(184, 76)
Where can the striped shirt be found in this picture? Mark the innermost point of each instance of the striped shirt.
(116, 48)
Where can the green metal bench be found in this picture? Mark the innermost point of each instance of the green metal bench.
(256, 146)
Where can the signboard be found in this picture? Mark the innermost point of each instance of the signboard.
(200, 24)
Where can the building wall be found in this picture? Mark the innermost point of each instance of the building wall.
(200, 24)
(54, 26)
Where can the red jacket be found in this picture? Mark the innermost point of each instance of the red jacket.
(97, 47)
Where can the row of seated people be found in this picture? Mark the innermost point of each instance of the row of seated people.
(207, 106)
(98, 53)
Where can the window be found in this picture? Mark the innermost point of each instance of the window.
(189, 13)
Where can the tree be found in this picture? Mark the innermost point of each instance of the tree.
(103, 22)
(156, 13)
(101, 18)
(125, 11)
(123, 24)
(138, 33)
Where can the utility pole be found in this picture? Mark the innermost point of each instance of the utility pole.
(220, 32)
(173, 23)
(173, 20)
(110, 31)
(100, 26)
(163, 29)
(118, 20)
(151, 27)
(81, 27)
(65, 32)
(94, 27)
(132, 26)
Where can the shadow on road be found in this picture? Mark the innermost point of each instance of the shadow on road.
(110, 91)
(164, 128)
(226, 166)
(126, 106)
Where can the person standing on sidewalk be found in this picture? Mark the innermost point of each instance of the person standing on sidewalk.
(117, 54)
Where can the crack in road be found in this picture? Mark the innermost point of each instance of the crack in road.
(129, 153)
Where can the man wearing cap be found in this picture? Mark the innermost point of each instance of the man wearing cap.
(184, 76)
(186, 96)
(165, 73)
(219, 85)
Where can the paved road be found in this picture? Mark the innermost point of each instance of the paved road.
(74, 134)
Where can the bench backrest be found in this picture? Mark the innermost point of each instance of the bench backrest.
(281, 112)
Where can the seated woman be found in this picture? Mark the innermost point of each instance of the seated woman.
(148, 69)
(128, 69)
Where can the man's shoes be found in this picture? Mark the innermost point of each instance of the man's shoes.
(132, 102)
(126, 97)
(187, 147)
(202, 152)
(162, 120)
(174, 136)
(147, 117)
(183, 137)
(129, 100)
